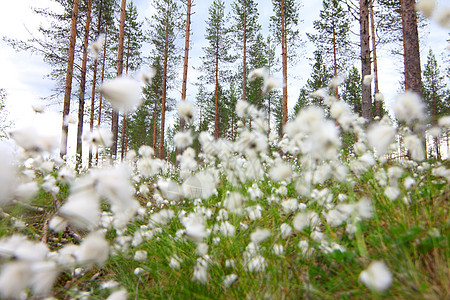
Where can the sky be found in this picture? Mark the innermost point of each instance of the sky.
(24, 75)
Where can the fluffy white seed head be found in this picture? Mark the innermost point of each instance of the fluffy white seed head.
(377, 276)
(123, 93)
(426, 7)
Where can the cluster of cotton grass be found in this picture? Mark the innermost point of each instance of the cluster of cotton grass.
(311, 159)
(299, 169)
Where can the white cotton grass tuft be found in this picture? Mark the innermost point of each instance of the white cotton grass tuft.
(186, 111)
(269, 82)
(38, 107)
(426, 7)
(377, 276)
(367, 81)
(123, 93)
(409, 107)
(147, 76)
(99, 137)
(14, 278)
(94, 249)
(118, 295)
(97, 45)
(415, 147)
(229, 280)
(259, 235)
(380, 136)
(379, 97)
(443, 18)
(183, 139)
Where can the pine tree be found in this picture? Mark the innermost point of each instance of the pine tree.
(332, 38)
(81, 98)
(69, 76)
(216, 54)
(245, 27)
(352, 90)
(302, 102)
(186, 55)
(165, 25)
(4, 124)
(320, 77)
(257, 58)
(284, 24)
(366, 63)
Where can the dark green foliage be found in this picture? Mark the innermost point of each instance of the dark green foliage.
(333, 27)
(435, 94)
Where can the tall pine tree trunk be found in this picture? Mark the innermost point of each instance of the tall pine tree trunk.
(100, 102)
(284, 63)
(155, 124)
(124, 118)
(216, 92)
(336, 90)
(115, 114)
(83, 87)
(94, 81)
(69, 75)
(413, 73)
(366, 99)
(375, 61)
(244, 59)
(186, 56)
(164, 87)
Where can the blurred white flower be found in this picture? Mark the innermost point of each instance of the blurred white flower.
(38, 107)
(118, 295)
(200, 274)
(147, 76)
(377, 276)
(26, 191)
(415, 147)
(379, 97)
(278, 249)
(195, 227)
(259, 235)
(285, 230)
(31, 140)
(99, 137)
(94, 249)
(256, 264)
(140, 255)
(14, 278)
(229, 279)
(280, 171)
(257, 73)
(305, 219)
(444, 122)
(186, 111)
(227, 229)
(380, 136)
(443, 18)
(426, 7)
(368, 80)
(123, 93)
(183, 139)
(97, 45)
(392, 192)
(175, 262)
(409, 107)
(43, 278)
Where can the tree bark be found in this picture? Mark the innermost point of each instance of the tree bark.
(244, 59)
(186, 56)
(366, 99)
(413, 73)
(336, 90)
(284, 59)
(124, 118)
(164, 87)
(216, 91)
(115, 114)
(375, 61)
(100, 102)
(94, 81)
(83, 87)
(69, 75)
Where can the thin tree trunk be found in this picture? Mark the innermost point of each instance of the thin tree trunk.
(284, 59)
(186, 57)
(100, 102)
(244, 59)
(375, 60)
(413, 73)
(155, 123)
(94, 81)
(83, 87)
(164, 87)
(366, 100)
(69, 75)
(216, 92)
(124, 118)
(115, 114)
(336, 90)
